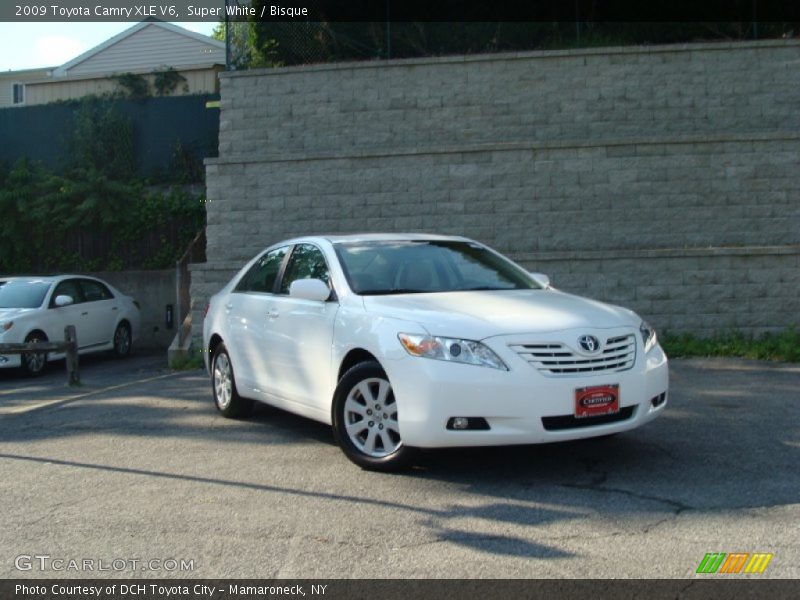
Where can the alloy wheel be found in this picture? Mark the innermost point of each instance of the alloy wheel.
(370, 418)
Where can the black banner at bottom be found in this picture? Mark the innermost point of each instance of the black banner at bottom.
(711, 587)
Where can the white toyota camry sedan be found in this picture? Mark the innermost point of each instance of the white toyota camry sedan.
(37, 309)
(421, 341)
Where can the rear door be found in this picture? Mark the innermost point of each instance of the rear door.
(247, 311)
(102, 312)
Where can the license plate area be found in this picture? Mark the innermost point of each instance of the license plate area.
(596, 401)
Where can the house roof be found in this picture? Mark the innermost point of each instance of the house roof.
(23, 72)
(63, 69)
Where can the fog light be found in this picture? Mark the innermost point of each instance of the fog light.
(460, 422)
(658, 400)
(467, 423)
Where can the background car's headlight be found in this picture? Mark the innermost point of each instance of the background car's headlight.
(648, 335)
(468, 352)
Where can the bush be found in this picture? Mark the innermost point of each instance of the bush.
(86, 221)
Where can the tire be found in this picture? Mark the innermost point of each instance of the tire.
(365, 420)
(34, 364)
(122, 340)
(223, 385)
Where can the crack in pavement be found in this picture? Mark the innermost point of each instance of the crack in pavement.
(600, 476)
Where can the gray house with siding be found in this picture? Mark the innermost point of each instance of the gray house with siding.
(143, 49)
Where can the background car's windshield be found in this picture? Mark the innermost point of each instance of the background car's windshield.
(403, 267)
(23, 294)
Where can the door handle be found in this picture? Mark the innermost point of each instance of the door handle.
(272, 314)
(83, 314)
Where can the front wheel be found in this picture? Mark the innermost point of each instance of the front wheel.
(365, 420)
(226, 398)
(33, 363)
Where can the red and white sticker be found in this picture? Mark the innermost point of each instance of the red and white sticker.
(596, 400)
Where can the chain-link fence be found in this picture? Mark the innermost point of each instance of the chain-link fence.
(263, 44)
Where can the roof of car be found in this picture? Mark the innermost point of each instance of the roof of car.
(389, 237)
(45, 278)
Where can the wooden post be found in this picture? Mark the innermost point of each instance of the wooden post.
(73, 375)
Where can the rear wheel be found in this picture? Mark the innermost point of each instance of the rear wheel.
(33, 363)
(365, 420)
(122, 340)
(223, 384)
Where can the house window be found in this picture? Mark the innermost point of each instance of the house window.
(19, 93)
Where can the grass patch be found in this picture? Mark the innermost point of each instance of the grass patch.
(783, 346)
(193, 360)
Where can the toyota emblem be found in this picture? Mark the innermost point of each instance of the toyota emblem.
(589, 343)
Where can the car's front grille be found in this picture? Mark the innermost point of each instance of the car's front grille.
(571, 422)
(554, 358)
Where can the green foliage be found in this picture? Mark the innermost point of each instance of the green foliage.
(191, 361)
(166, 81)
(87, 222)
(134, 86)
(184, 166)
(242, 54)
(273, 43)
(782, 346)
(102, 141)
(95, 214)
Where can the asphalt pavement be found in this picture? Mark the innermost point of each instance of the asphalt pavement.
(148, 473)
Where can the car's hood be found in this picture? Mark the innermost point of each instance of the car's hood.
(7, 314)
(478, 315)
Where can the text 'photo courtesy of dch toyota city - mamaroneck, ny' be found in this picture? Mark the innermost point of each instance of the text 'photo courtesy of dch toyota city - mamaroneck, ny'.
(399, 299)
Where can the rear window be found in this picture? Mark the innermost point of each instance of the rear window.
(23, 294)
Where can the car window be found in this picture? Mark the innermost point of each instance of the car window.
(23, 294)
(306, 262)
(68, 287)
(94, 290)
(418, 266)
(262, 275)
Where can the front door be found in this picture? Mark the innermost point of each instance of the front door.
(300, 333)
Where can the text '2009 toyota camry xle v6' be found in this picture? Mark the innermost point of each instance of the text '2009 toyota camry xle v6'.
(420, 341)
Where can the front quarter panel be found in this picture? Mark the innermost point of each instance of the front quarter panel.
(357, 329)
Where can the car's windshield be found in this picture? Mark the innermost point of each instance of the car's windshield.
(23, 294)
(408, 267)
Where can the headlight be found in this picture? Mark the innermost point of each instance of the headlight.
(648, 335)
(468, 352)
(5, 326)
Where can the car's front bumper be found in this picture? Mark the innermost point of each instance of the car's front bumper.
(515, 402)
(10, 361)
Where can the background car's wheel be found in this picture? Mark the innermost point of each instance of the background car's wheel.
(34, 363)
(122, 340)
(223, 384)
(365, 419)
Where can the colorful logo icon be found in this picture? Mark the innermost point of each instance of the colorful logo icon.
(735, 562)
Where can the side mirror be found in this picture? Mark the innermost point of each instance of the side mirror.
(63, 300)
(310, 289)
(542, 279)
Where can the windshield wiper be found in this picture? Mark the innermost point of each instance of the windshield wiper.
(388, 292)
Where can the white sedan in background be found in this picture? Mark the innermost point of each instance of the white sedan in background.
(420, 341)
(37, 309)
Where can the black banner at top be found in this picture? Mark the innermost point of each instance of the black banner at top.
(743, 11)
